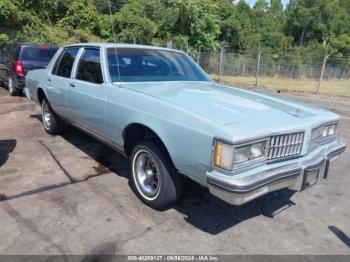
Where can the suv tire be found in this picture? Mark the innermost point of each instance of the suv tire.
(12, 89)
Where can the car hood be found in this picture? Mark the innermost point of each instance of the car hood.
(226, 105)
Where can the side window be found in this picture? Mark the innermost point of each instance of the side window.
(64, 63)
(89, 68)
(14, 52)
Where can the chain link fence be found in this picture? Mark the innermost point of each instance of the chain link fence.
(285, 66)
(302, 66)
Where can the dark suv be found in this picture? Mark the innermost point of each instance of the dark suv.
(17, 59)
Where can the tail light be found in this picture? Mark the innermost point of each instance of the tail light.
(18, 68)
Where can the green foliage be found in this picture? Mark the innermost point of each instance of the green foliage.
(197, 19)
(137, 21)
(303, 26)
(4, 39)
(9, 13)
(102, 6)
(81, 14)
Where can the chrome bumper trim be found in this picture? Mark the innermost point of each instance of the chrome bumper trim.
(293, 176)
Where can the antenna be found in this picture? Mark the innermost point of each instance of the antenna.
(112, 21)
(115, 48)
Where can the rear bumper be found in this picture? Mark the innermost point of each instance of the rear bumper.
(297, 176)
(19, 82)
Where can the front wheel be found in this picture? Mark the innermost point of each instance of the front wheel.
(156, 181)
(52, 123)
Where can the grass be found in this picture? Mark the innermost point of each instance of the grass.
(328, 87)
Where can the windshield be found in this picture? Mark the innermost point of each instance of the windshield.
(146, 65)
(38, 53)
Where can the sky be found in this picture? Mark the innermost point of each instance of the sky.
(252, 2)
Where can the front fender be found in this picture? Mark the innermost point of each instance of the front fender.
(190, 148)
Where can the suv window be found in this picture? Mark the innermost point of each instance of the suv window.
(37, 53)
(89, 68)
(64, 64)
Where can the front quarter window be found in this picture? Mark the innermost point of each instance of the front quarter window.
(146, 65)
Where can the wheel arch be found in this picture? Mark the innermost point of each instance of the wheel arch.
(40, 94)
(136, 132)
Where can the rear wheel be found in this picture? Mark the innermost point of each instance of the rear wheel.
(154, 178)
(52, 123)
(12, 89)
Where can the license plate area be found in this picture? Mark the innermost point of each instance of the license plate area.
(310, 178)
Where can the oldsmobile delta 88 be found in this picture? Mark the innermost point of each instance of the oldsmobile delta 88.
(161, 110)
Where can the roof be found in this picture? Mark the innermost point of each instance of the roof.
(30, 44)
(121, 45)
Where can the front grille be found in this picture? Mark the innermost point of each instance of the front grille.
(282, 146)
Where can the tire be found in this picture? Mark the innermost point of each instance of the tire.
(12, 89)
(161, 187)
(51, 122)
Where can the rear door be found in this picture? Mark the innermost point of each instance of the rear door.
(87, 92)
(58, 80)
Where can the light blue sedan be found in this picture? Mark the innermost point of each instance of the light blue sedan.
(160, 109)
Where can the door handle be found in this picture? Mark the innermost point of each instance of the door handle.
(71, 85)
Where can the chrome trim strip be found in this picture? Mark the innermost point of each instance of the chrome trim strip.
(246, 187)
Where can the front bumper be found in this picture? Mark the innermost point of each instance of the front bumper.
(27, 93)
(297, 175)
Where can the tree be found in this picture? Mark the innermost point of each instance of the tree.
(102, 6)
(81, 14)
(139, 21)
(198, 20)
(314, 20)
(299, 30)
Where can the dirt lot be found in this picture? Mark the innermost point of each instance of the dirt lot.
(69, 194)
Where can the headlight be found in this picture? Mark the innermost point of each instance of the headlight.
(228, 156)
(257, 150)
(322, 133)
(332, 129)
(241, 154)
